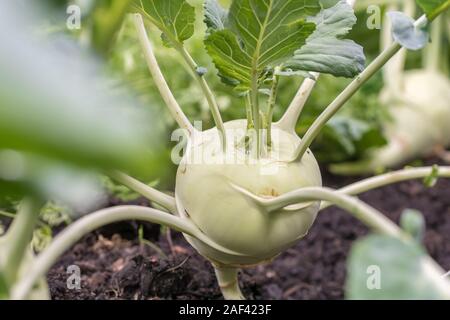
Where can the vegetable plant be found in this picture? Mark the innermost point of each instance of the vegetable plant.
(248, 189)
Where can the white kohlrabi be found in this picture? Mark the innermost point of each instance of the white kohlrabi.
(420, 118)
(206, 193)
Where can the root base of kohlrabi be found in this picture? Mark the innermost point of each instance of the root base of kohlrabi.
(206, 194)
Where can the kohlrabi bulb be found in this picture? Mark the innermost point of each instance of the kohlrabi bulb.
(206, 194)
(420, 118)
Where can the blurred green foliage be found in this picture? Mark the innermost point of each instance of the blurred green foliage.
(61, 121)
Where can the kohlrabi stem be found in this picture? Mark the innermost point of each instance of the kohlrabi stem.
(368, 215)
(67, 238)
(433, 51)
(150, 193)
(210, 98)
(256, 115)
(158, 77)
(19, 236)
(348, 92)
(393, 70)
(193, 66)
(290, 118)
(371, 217)
(271, 106)
(227, 277)
(390, 178)
(248, 109)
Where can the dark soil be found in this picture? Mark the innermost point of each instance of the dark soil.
(115, 265)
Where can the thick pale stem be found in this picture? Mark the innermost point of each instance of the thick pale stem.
(19, 236)
(393, 70)
(89, 223)
(227, 277)
(433, 51)
(368, 215)
(150, 193)
(271, 106)
(371, 217)
(289, 120)
(336, 105)
(348, 92)
(249, 111)
(158, 77)
(212, 102)
(256, 115)
(390, 178)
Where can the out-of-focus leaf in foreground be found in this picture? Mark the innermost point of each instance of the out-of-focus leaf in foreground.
(55, 103)
(382, 267)
(22, 173)
(59, 120)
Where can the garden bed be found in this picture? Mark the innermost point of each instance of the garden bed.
(115, 265)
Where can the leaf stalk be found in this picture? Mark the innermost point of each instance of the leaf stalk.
(160, 82)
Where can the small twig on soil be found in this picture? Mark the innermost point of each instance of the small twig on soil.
(169, 241)
(177, 266)
(289, 292)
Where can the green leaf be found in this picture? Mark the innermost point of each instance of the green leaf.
(382, 267)
(428, 6)
(233, 63)
(261, 34)
(175, 19)
(325, 51)
(215, 15)
(405, 33)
